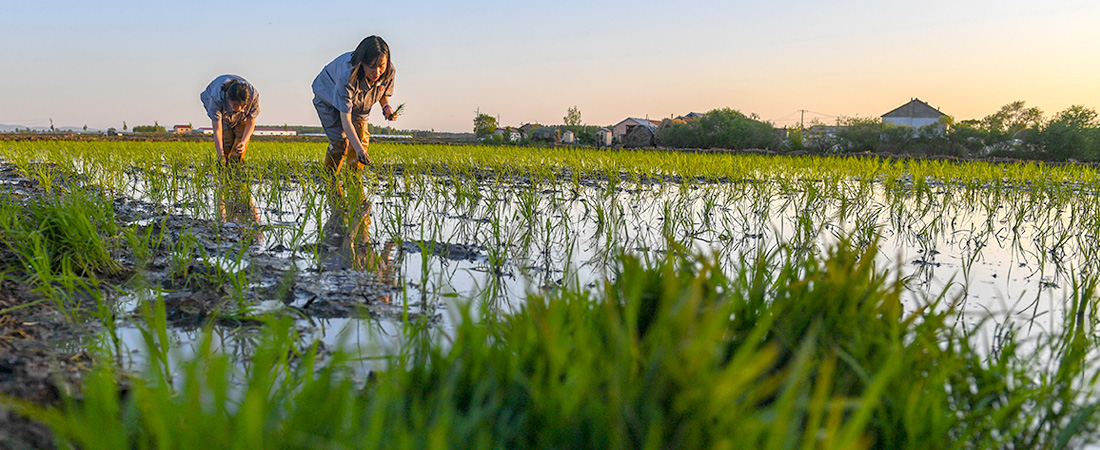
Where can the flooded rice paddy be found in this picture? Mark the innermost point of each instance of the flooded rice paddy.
(886, 300)
(358, 258)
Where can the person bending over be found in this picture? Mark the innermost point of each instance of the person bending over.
(344, 93)
(232, 105)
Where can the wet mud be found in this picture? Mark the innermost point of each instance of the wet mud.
(208, 273)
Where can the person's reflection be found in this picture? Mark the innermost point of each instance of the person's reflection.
(346, 235)
(234, 203)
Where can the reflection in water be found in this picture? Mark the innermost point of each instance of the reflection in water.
(346, 241)
(234, 204)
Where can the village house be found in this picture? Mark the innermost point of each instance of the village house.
(914, 114)
(181, 129)
(568, 138)
(623, 128)
(509, 134)
(603, 137)
(546, 134)
(525, 130)
(690, 116)
(633, 132)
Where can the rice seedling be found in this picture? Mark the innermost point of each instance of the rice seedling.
(561, 220)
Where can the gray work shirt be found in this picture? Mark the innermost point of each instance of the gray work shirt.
(333, 88)
(217, 106)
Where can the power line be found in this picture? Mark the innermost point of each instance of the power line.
(802, 116)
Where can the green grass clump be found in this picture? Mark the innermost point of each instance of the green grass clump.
(61, 237)
(787, 352)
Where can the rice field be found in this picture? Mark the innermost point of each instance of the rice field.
(476, 297)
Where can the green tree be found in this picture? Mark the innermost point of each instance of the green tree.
(124, 125)
(572, 116)
(967, 137)
(1011, 119)
(721, 128)
(484, 124)
(154, 128)
(1073, 133)
(861, 134)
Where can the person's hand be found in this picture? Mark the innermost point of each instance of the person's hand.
(364, 159)
(389, 113)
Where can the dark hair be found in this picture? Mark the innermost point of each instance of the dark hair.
(236, 91)
(368, 51)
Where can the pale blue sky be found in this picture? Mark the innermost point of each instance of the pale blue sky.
(102, 63)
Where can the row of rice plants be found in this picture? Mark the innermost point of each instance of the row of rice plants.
(920, 201)
(912, 188)
(785, 352)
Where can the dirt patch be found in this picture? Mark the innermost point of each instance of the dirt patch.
(31, 368)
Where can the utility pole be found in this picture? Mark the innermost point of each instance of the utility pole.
(802, 120)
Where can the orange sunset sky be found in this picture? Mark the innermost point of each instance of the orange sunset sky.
(102, 63)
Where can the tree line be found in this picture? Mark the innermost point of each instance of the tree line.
(1015, 130)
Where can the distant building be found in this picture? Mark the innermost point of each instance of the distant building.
(525, 130)
(509, 134)
(546, 134)
(274, 132)
(691, 116)
(821, 131)
(623, 128)
(181, 129)
(603, 137)
(914, 114)
(567, 137)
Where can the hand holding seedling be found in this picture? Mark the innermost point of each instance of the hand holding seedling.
(392, 113)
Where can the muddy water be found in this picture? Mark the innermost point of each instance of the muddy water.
(358, 260)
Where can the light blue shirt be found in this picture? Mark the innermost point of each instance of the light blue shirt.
(217, 106)
(333, 88)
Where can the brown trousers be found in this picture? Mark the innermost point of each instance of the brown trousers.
(341, 150)
(231, 140)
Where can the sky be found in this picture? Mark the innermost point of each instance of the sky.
(104, 63)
